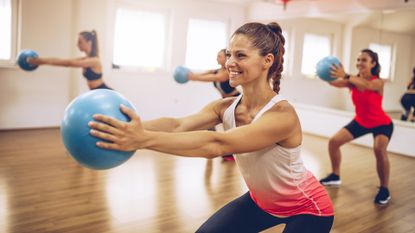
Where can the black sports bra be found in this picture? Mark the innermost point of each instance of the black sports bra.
(223, 87)
(91, 75)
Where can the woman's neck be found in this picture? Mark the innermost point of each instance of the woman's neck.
(257, 97)
(366, 75)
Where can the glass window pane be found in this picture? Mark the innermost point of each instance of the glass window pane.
(204, 40)
(385, 58)
(5, 29)
(140, 39)
(314, 49)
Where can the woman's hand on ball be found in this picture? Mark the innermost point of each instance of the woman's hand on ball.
(337, 71)
(119, 135)
(34, 61)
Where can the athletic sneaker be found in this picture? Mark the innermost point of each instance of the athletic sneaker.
(383, 197)
(331, 180)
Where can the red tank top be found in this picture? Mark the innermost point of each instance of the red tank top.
(368, 108)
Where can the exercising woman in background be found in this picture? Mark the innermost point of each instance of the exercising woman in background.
(90, 64)
(367, 94)
(219, 77)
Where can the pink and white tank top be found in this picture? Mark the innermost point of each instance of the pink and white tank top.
(276, 177)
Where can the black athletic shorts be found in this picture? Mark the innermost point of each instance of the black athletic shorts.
(357, 130)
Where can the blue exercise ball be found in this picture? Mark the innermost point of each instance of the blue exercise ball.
(180, 74)
(323, 67)
(75, 131)
(22, 59)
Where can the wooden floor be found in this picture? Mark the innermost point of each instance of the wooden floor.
(43, 190)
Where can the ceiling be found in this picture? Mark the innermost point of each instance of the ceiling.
(390, 15)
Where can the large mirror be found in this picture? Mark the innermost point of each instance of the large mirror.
(390, 32)
(343, 29)
(394, 28)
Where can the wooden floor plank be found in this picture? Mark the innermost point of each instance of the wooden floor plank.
(42, 189)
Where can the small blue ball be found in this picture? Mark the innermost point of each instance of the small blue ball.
(180, 74)
(323, 68)
(22, 59)
(75, 131)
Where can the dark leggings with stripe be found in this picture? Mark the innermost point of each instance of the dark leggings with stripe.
(242, 215)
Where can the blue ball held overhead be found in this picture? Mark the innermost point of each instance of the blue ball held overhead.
(75, 131)
(22, 59)
(323, 67)
(180, 74)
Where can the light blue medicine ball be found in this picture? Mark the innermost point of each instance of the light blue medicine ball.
(22, 59)
(75, 131)
(180, 74)
(323, 68)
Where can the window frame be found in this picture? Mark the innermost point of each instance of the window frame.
(146, 9)
(390, 77)
(331, 51)
(15, 35)
(227, 24)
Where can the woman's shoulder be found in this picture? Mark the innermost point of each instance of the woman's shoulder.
(283, 107)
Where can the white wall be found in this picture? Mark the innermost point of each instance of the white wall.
(38, 99)
(326, 122)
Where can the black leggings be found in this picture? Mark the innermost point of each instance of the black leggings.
(242, 215)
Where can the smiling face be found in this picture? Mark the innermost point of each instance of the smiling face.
(244, 62)
(364, 64)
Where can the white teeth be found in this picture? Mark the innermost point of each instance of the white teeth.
(233, 73)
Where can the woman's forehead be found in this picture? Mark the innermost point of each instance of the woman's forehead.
(364, 55)
(239, 42)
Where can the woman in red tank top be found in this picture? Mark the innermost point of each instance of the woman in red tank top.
(367, 94)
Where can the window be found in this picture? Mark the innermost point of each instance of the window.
(385, 58)
(204, 40)
(315, 48)
(8, 31)
(140, 39)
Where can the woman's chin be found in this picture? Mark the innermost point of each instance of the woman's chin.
(233, 83)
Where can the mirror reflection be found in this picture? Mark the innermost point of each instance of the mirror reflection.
(390, 33)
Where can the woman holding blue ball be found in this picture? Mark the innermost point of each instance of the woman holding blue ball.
(90, 63)
(262, 130)
(367, 93)
(219, 77)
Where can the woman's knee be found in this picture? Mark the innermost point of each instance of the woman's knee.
(380, 152)
(335, 142)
